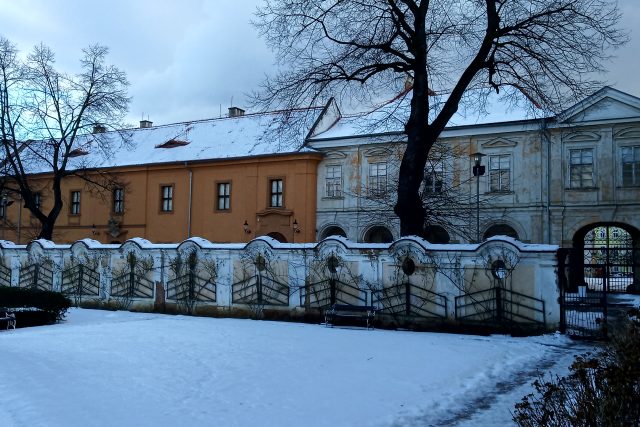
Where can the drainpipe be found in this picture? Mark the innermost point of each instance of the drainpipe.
(547, 139)
(190, 199)
(19, 216)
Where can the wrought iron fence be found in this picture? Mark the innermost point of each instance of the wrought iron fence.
(37, 276)
(132, 285)
(500, 306)
(261, 290)
(191, 287)
(5, 276)
(410, 300)
(80, 280)
(328, 292)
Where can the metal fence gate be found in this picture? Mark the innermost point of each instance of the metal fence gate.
(606, 263)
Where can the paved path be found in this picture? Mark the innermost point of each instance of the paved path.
(494, 406)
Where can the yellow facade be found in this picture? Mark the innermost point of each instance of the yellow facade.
(194, 209)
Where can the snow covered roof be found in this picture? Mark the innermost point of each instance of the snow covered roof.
(390, 117)
(259, 134)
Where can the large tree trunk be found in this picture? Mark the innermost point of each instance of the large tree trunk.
(409, 206)
(46, 232)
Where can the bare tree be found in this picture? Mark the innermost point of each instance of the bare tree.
(45, 118)
(454, 53)
(448, 203)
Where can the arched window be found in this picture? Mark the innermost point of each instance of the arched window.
(378, 234)
(436, 234)
(278, 236)
(334, 230)
(501, 230)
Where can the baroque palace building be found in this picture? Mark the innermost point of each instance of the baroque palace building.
(299, 176)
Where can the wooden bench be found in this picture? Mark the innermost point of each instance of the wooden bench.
(7, 317)
(365, 312)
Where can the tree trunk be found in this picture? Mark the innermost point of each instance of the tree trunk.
(409, 206)
(46, 232)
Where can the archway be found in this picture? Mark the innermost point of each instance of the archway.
(436, 234)
(333, 230)
(378, 234)
(501, 230)
(606, 257)
(278, 236)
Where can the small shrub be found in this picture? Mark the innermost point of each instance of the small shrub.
(53, 304)
(601, 389)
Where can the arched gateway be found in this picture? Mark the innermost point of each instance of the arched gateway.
(606, 257)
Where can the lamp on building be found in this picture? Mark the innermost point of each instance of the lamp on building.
(94, 231)
(478, 171)
(296, 230)
(245, 227)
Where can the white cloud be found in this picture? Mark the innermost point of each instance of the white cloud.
(187, 59)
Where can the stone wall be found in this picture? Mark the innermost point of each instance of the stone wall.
(500, 282)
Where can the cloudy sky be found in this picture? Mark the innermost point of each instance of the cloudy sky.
(191, 59)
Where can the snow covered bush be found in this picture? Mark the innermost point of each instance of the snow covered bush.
(44, 306)
(602, 389)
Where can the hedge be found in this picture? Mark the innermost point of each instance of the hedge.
(52, 305)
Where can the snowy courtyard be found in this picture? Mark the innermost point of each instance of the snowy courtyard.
(102, 368)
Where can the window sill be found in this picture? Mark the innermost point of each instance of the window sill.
(500, 193)
(581, 189)
(333, 198)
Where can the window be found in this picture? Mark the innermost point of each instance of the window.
(433, 178)
(276, 193)
(118, 200)
(377, 179)
(581, 168)
(224, 196)
(75, 203)
(630, 166)
(166, 200)
(500, 173)
(3, 208)
(37, 200)
(334, 181)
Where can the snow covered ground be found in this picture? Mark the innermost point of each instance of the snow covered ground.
(102, 368)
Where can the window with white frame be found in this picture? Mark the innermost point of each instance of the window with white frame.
(500, 172)
(581, 168)
(277, 187)
(630, 166)
(224, 196)
(433, 178)
(333, 181)
(118, 200)
(3, 208)
(166, 198)
(75, 203)
(37, 200)
(377, 178)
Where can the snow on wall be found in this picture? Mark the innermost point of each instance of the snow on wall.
(407, 278)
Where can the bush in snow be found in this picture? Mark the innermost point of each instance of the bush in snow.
(602, 389)
(44, 306)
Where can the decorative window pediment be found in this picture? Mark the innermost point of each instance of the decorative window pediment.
(582, 137)
(499, 142)
(335, 155)
(377, 152)
(627, 133)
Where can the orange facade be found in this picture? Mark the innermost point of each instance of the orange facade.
(171, 202)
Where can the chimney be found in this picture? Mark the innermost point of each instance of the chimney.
(235, 112)
(98, 128)
(145, 124)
